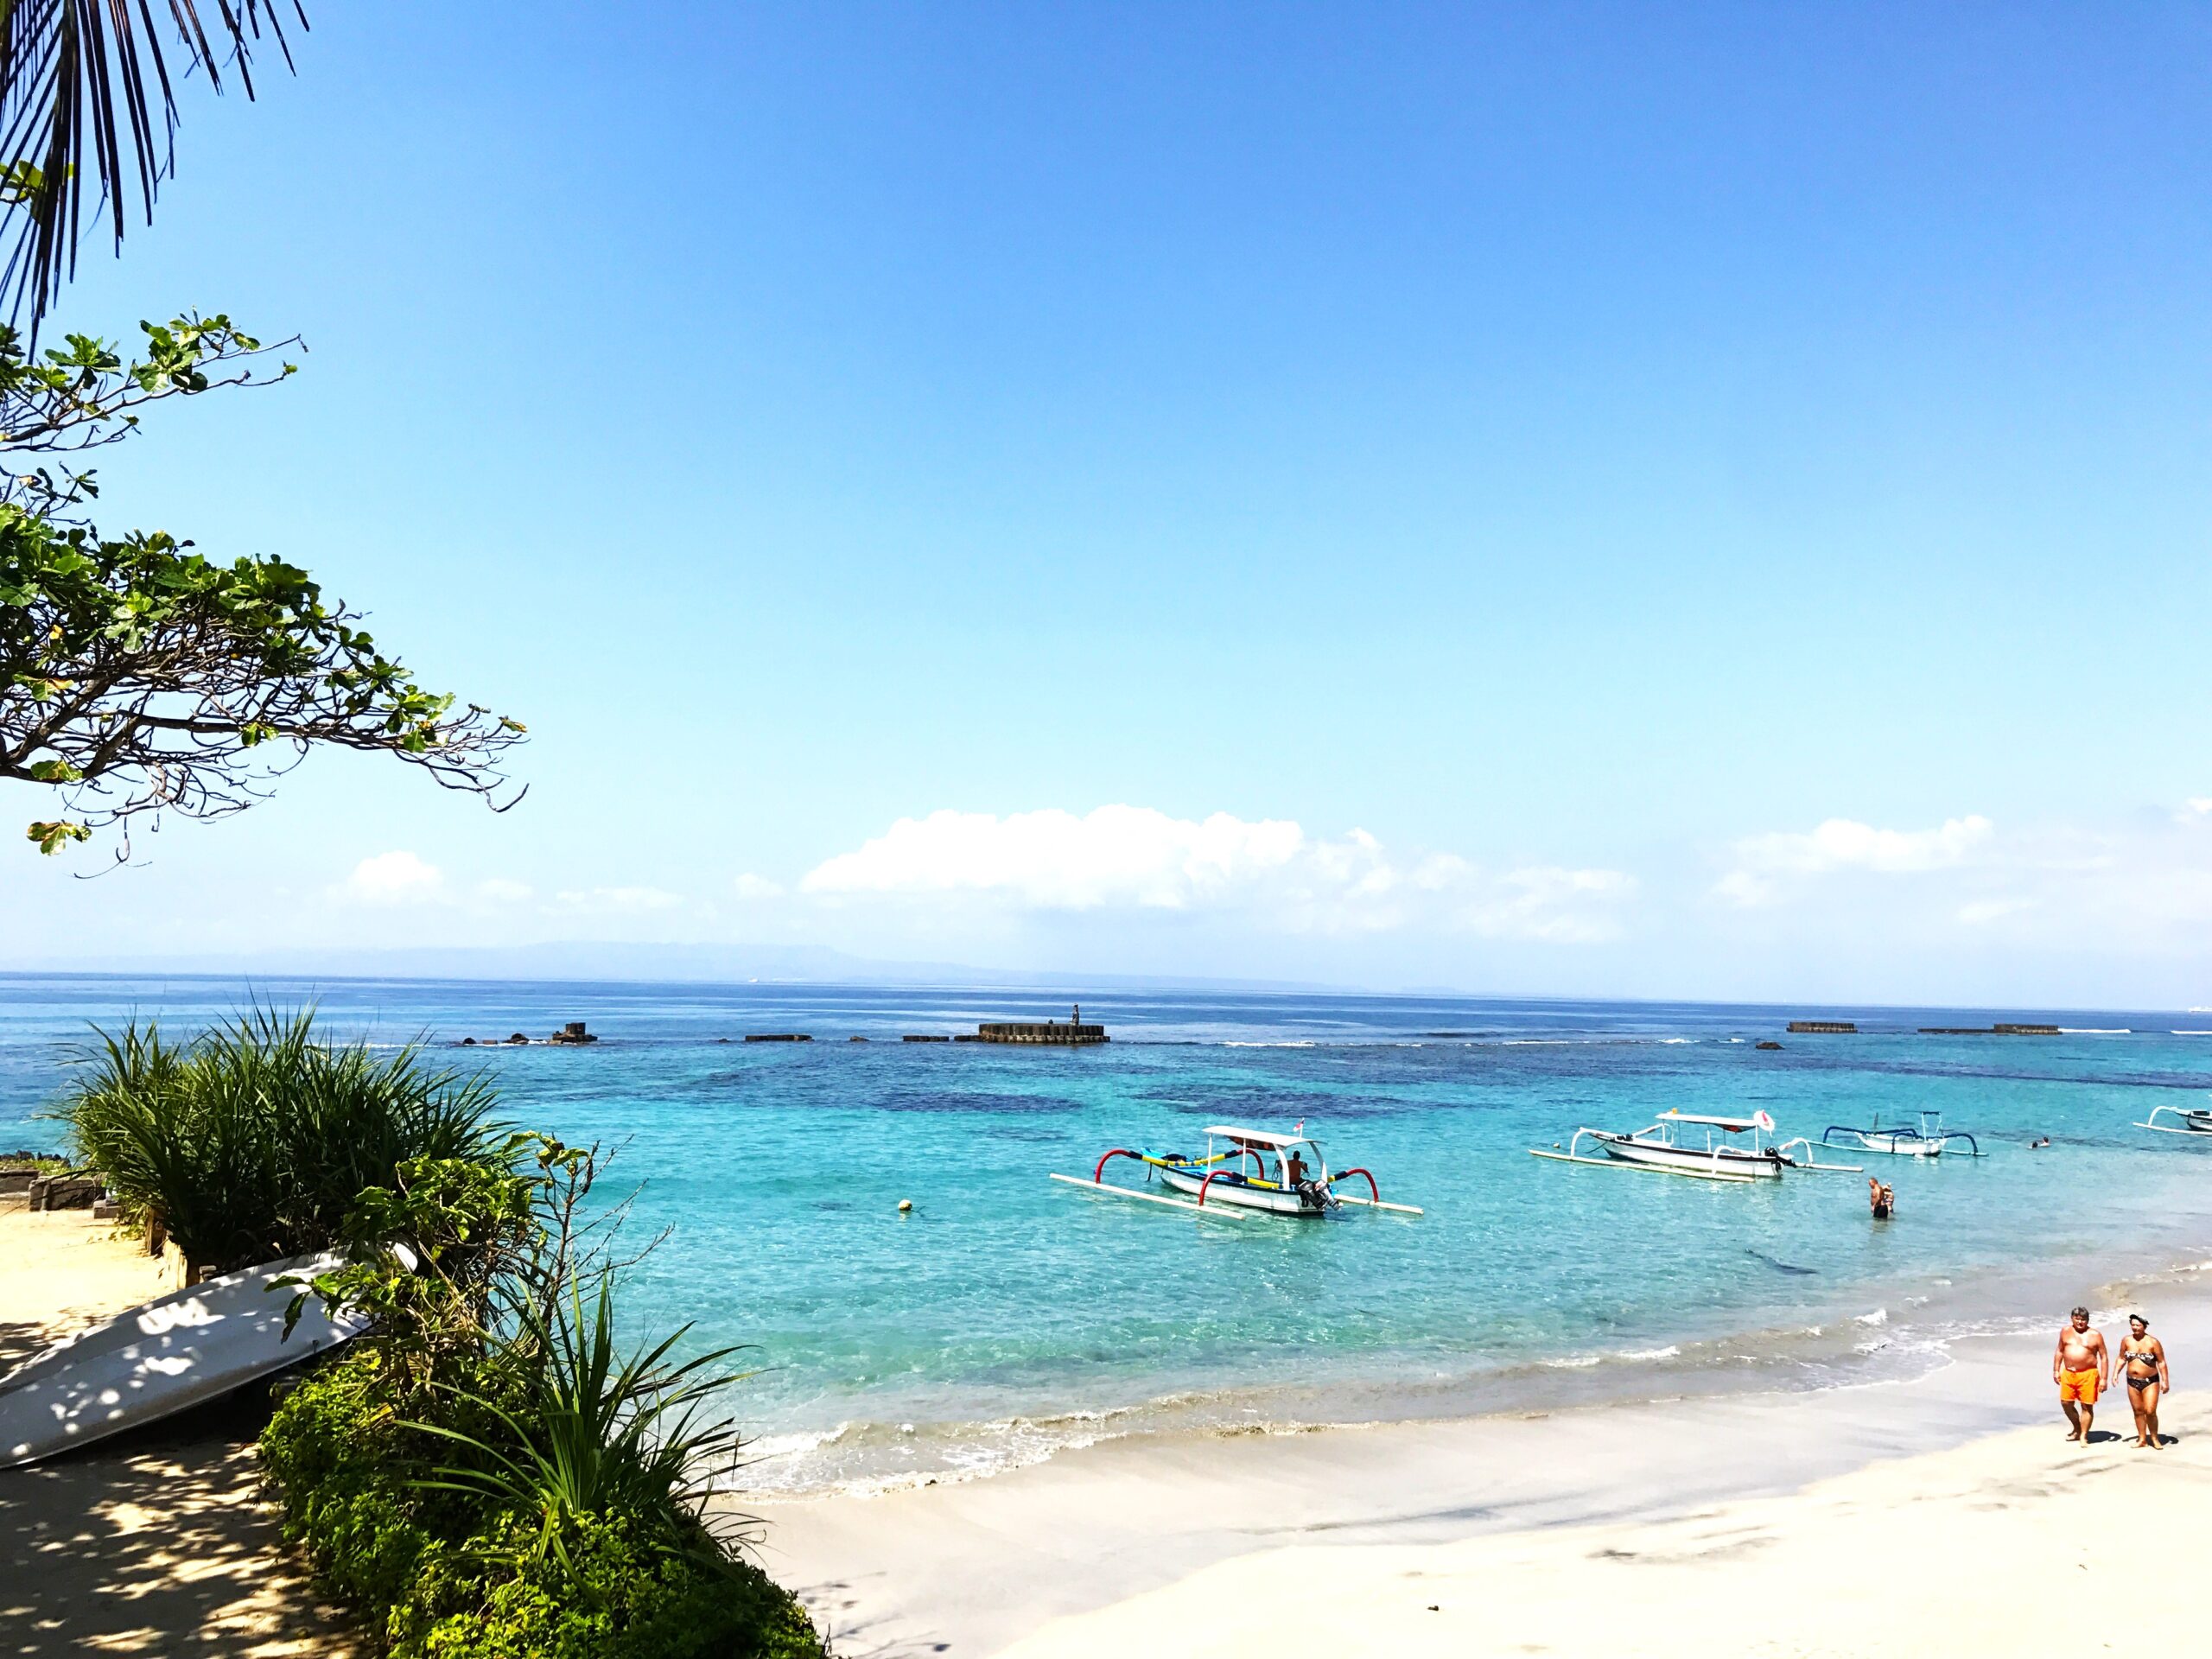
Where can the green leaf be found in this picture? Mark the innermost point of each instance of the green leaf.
(52, 837)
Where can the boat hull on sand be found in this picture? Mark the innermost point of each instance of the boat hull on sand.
(168, 1356)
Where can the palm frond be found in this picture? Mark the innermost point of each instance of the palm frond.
(85, 88)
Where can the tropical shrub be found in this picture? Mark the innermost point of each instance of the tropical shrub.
(608, 1594)
(255, 1141)
(346, 1472)
(594, 1430)
(491, 1473)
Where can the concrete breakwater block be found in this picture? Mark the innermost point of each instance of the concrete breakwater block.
(1057, 1032)
(65, 1193)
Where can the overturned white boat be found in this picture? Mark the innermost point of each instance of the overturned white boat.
(173, 1353)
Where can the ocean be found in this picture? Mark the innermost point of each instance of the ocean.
(1006, 1317)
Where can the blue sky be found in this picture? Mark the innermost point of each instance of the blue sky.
(1559, 458)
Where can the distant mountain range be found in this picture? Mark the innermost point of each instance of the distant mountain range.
(583, 959)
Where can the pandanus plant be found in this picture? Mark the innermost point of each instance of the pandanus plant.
(596, 1431)
(254, 1140)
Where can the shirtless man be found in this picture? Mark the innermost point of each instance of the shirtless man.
(2081, 1367)
(2143, 1366)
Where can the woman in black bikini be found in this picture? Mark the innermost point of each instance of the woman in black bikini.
(2143, 1361)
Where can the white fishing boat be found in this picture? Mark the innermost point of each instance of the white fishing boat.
(1703, 1146)
(165, 1356)
(2188, 1120)
(1930, 1140)
(1244, 1172)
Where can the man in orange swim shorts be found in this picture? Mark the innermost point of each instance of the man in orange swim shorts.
(2079, 1366)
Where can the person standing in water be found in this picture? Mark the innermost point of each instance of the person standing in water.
(1882, 1199)
(2143, 1363)
(2079, 1366)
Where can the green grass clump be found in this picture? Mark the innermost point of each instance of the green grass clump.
(253, 1141)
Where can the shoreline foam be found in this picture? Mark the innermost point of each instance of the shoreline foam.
(979, 1564)
(1868, 1334)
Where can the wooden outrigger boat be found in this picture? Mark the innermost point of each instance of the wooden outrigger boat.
(1930, 1140)
(1665, 1149)
(2193, 1120)
(1255, 1172)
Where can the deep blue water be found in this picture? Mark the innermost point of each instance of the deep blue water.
(1007, 1315)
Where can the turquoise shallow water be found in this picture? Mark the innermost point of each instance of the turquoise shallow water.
(1008, 1317)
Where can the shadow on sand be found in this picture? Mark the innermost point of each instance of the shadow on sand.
(154, 1543)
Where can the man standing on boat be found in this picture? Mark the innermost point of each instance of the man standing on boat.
(2079, 1366)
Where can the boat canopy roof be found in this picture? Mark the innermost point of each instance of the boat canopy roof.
(1258, 1137)
(1733, 1125)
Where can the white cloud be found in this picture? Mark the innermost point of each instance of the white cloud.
(750, 885)
(620, 901)
(395, 878)
(1269, 871)
(1562, 906)
(2137, 888)
(1764, 862)
(499, 891)
(1054, 860)
(1841, 844)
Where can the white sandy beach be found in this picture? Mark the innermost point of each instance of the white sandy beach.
(2011, 1544)
(156, 1542)
(1944, 1510)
